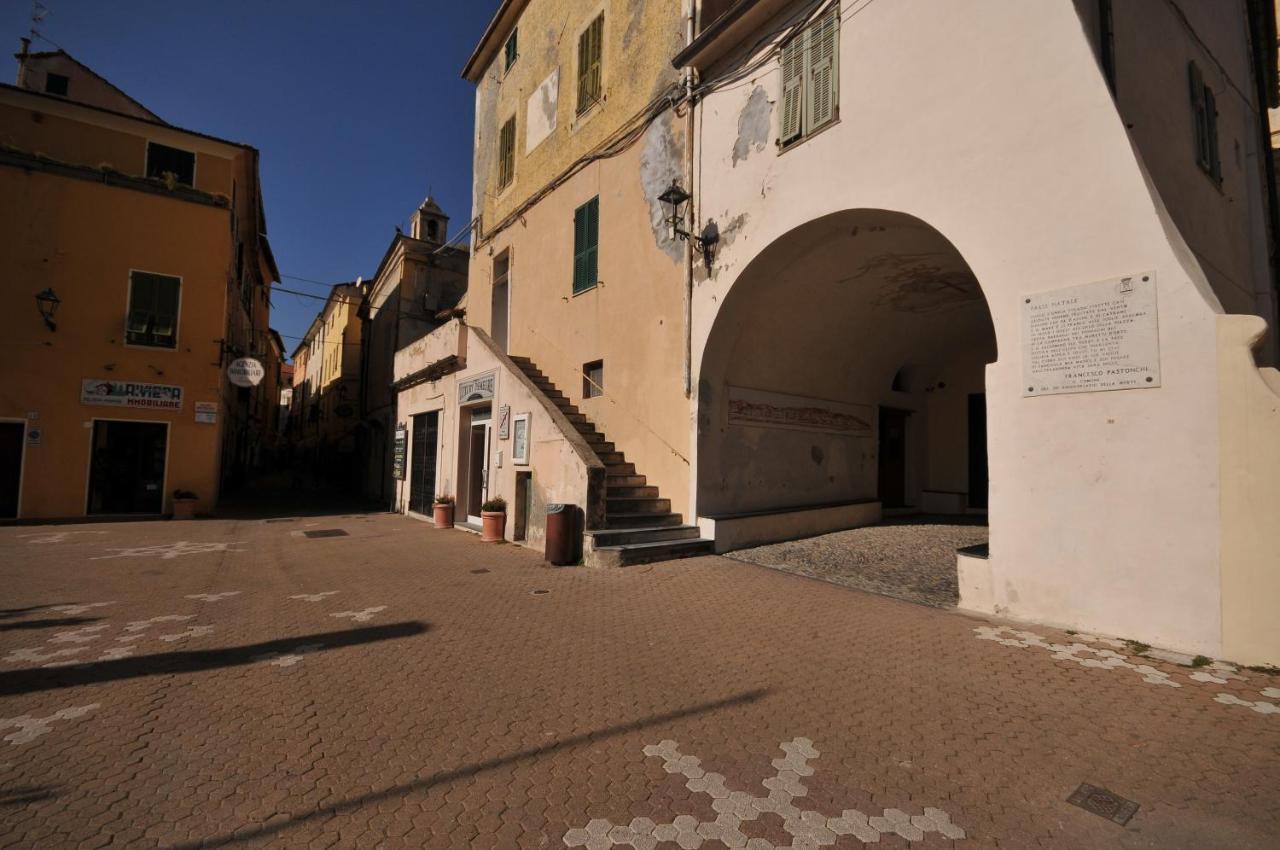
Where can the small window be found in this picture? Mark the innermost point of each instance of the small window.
(507, 153)
(56, 84)
(590, 44)
(593, 379)
(811, 78)
(433, 230)
(510, 51)
(1107, 43)
(153, 310)
(586, 245)
(163, 160)
(1204, 110)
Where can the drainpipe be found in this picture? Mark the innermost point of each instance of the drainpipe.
(688, 169)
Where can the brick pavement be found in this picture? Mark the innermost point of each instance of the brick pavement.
(408, 687)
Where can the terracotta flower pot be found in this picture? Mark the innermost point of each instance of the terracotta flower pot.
(493, 526)
(443, 515)
(184, 508)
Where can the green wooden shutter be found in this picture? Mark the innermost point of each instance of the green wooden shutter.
(820, 64)
(141, 305)
(1211, 134)
(586, 242)
(590, 50)
(792, 61)
(507, 153)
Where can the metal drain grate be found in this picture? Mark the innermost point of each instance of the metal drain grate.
(325, 532)
(1103, 803)
(540, 592)
(479, 571)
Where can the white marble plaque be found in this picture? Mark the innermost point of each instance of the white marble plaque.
(1091, 338)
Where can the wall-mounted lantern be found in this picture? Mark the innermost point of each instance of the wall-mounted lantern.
(47, 301)
(676, 199)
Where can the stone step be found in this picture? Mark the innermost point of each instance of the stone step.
(645, 553)
(614, 469)
(625, 480)
(640, 505)
(611, 458)
(644, 534)
(616, 521)
(632, 492)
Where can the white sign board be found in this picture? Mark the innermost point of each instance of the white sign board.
(112, 393)
(1091, 338)
(540, 114)
(207, 412)
(245, 372)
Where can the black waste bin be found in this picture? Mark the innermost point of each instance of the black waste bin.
(562, 534)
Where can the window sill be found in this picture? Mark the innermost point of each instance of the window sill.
(592, 288)
(792, 145)
(142, 346)
(581, 119)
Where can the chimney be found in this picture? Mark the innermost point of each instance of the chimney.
(22, 62)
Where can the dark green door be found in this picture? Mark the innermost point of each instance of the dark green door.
(11, 437)
(126, 474)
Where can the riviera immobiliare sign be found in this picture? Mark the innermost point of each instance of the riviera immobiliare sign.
(111, 393)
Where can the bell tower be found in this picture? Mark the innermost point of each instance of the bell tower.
(430, 224)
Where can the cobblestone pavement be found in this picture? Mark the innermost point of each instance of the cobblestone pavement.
(236, 683)
(911, 558)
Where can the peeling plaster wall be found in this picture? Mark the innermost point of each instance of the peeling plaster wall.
(1104, 506)
(753, 125)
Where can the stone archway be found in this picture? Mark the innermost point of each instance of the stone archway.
(845, 368)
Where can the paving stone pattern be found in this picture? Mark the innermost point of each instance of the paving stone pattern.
(700, 703)
(911, 558)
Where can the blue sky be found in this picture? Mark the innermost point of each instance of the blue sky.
(357, 108)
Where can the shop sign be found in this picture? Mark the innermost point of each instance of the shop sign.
(504, 422)
(245, 372)
(207, 412)
(111, 393)
(479, 388)
(399, 452)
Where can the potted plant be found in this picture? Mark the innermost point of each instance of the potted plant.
(442, 511)
(493, 520)
(184, 504)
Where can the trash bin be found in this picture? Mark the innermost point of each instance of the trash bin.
(562, 539)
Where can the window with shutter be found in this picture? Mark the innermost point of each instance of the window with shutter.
(590, 50)
(810, 78)
(507, 153)
(821, 66)
(153, 310)
(586, 242)
(1204, 116)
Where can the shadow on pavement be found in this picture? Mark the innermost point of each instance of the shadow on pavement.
(47, 624)
(271, 500)
(249, 833)
(14, 613)
(14, 682)
(21, 795)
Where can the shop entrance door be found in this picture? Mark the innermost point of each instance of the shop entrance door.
(126, 467)
(11, 436)
(478, 462)
(422, 469)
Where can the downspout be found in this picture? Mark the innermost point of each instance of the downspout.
(690, 6)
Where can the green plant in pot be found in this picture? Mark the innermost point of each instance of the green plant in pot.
(442, 511)
(493, 520)
(184, 504)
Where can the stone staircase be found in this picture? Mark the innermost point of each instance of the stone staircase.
(639, 526)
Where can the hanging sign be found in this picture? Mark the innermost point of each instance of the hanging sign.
(110, 393)
(246, 372)
(399, 452)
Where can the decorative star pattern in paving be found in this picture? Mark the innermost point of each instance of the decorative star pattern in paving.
(84, 634)
(808, 828)
(290, 657)
(363, 616)
(191, 632)
(43, 657)
(142, 625)
(314, 597)
(54, 536)
(1104, 659)
(30, 728)
(82, 608)
(213, 597)
(167, 551)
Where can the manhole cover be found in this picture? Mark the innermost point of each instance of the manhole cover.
(283, 519)
(479, 571)
(540, 592)
(325, 532)
(1103, 803)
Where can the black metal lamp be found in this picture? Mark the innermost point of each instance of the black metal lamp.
(677, 199)
(48, 301)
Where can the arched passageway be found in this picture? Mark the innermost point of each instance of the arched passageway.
(846, 365)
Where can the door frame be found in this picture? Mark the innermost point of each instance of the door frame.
(164, 480)
(485, 472)
(22, 462)
(410, 471)
(906, 415)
